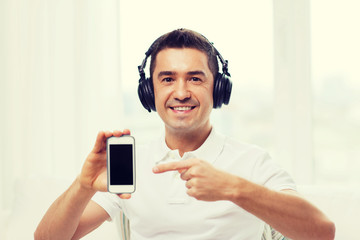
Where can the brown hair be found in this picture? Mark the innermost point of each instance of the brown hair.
(185, 38)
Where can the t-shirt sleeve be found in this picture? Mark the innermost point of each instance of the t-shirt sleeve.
(268, 173)
(111, 203)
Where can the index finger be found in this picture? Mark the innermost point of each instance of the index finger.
(100, 142)
(173, 166)
(118, 133)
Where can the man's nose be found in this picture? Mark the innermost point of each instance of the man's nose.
(181, 91)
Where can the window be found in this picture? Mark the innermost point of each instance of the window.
(336, 90)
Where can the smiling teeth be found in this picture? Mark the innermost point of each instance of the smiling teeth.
(182, 108)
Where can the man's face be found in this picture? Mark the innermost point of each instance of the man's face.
(183, 88)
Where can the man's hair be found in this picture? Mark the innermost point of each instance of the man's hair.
(185, 38)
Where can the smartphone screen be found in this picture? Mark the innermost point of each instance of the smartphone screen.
(121, 164)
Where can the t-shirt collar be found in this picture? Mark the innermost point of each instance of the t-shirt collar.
(208, 151)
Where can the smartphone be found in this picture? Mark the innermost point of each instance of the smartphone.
(120, 154)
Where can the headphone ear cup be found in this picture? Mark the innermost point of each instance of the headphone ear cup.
(227, 89)
(216, 93)
(222, 90)
(146, 94)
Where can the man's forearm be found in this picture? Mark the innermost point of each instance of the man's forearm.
(287, 212)
(63, 216)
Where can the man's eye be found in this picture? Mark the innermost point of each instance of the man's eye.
(168, 79)
(195, 79)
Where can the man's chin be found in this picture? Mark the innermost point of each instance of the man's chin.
(181, 128)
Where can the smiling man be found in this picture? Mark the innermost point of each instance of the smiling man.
(192, 182)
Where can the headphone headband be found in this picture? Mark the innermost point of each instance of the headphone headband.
(142, 66)
(147, 54)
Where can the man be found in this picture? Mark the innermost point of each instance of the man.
(192, 183)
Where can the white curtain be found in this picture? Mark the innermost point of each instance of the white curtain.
(59, 85)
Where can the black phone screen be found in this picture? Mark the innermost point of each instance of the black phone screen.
(121, 164)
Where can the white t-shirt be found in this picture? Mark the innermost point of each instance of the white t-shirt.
(161, 209)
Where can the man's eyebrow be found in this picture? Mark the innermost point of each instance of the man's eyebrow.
(170, 73)
(166, 73)
(198, 72)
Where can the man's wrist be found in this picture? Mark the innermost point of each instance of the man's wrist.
(82, 188)
(241, 190)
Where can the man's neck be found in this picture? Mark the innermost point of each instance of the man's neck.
(186, 141)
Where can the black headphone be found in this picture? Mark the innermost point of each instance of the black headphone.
(222, 83)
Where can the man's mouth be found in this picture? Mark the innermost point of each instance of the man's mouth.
(183, 108)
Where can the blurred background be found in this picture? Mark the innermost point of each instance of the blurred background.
(69, 69)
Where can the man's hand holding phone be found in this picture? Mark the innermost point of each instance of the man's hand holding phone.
(93, 175)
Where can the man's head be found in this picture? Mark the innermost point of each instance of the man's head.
(185, 39)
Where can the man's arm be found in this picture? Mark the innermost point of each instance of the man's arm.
(73, 215)
(62, 220)
(285, 211)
